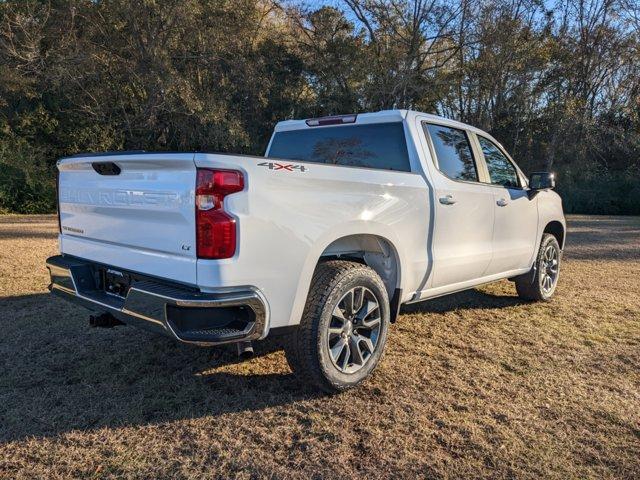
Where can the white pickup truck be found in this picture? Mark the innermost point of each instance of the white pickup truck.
(345, 219)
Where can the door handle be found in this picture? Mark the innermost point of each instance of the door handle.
(502, 202)
(447, 200)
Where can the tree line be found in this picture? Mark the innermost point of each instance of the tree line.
(557, 82)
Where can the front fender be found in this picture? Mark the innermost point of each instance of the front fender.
(550, 210)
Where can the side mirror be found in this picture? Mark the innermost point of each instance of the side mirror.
(542, 181)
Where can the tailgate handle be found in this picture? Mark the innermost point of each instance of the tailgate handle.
(106, 168)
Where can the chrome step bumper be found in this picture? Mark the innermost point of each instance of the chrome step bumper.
(185, 314)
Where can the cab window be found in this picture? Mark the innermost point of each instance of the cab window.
(453, 152)
(501, 170)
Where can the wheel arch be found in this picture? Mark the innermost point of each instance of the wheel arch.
(375, 251)
(556, 229)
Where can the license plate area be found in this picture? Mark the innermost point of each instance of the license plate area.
(114, 282)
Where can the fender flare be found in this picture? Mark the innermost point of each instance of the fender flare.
(315, 252)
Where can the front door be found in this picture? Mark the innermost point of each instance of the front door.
(516, 216)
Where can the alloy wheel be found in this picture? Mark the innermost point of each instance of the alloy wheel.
(354, 329)
(549, 268)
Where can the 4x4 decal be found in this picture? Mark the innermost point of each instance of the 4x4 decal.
(287, 167)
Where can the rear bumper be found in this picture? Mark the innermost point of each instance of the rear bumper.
(187, 315)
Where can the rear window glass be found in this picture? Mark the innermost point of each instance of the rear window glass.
(379, 145)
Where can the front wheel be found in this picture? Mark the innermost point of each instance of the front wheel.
(540, 283)
(343, 329)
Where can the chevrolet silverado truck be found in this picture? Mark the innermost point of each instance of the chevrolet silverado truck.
(322, 240)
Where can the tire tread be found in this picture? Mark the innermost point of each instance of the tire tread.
(301, 348)
(528, 285)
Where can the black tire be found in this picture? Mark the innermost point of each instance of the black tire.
(530, 286)
(309, 348)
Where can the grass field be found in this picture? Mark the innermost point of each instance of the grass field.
(474, 385)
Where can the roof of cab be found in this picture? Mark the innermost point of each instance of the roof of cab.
(379, 117)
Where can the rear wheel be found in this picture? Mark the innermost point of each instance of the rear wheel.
(343, 329)
(540, 283)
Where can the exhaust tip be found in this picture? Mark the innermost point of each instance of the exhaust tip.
(244, 350)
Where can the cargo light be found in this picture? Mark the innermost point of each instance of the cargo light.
(333, 120)
(215, 229)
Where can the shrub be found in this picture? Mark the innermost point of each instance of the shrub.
(604, 193)
(27, 184)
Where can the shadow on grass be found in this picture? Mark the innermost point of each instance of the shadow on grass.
(467, 300)
(603, 238)
(57, 374)
(14, 234)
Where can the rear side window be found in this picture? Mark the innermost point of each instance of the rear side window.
(453, 152)
(380, 145)
(501, 170)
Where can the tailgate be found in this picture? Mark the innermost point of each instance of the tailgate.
(133, 211)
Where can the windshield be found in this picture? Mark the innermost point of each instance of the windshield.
(378, 145)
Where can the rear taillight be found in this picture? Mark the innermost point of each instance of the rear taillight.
(215, 229)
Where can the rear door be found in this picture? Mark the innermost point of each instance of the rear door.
(516, 216)
(462, 237)
(134, 211)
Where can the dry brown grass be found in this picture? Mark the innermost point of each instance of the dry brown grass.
(475, 385)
